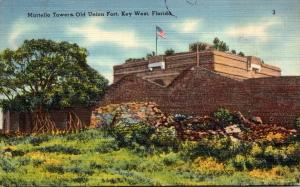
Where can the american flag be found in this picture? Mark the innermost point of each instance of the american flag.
(160, 32)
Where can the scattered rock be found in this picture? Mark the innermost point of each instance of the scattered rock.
(131, 113)
(232, 129)
(187, 127)
(256, 120)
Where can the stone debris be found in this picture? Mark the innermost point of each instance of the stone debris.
(131, 113)
(256, 120)
(188, 127)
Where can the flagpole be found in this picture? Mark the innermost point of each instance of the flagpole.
(155, 40)
(197, 53)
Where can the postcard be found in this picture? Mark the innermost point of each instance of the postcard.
(161, 92)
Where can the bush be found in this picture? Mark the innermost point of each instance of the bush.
(128, 134)
(217, 147)
(55, 169)
(85, 135)
(165, 137)
(17, 153)
(38, 140)
(80, 169)
(170, 159)
(24, 161)
(7, 165)
(150, 166)
(60, 149)
(169, 52)
(81, 179)
(201, 126)
(208, 166)
(241, 162)
(286, 155)
(223, 116)
(107, 146)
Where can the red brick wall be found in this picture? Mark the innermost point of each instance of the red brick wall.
(19, 121)
(211, 59)
(201, 92)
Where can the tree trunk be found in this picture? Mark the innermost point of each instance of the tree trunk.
(42, 122)
(74, 124)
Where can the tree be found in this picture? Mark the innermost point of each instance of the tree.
(150, 55)
(233, 51)
(201, 46)
(220, 45)
(216, 43)
(241, 54)
(43, 74)
(169, 52)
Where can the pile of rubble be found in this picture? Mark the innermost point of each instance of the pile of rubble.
(188, 127)
(141, 112)
(193, 128)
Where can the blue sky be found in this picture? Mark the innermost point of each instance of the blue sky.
(247, 26)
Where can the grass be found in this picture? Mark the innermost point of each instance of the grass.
(93, 158)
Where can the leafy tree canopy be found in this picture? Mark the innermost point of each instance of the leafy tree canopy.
(220, 45)
(241, 54)
(201, 46)
(150, 54)
(47, 74)
(217, 45)
(169, 52)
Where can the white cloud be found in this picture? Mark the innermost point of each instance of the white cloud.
(258, 30)
(109, 77)
(19, 28)
(187, 26)
(104, 65)
(93, 33)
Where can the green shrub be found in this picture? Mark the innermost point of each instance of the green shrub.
(125, 164)
(170, 159)
(223, 116)
(144, 138)
(8, 165)
(17, 153)
(55, 169)
(11, 180)
(60, 149)
(81, 179)
(165, 137)
(95, 165)
(24, 161)
(37, 140)
(216, 146)
(285, 155)
(142, 150)
(37, 162)
(150, 166)
(169, 52)
(201, 126)
(85, 135)
(241, 162)
(108, 146)
(127, 134)
(80, 169)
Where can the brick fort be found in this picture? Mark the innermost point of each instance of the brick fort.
(198, 83)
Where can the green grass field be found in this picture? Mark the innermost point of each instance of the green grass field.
(92, 157)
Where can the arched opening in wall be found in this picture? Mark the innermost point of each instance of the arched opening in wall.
(160, 82)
